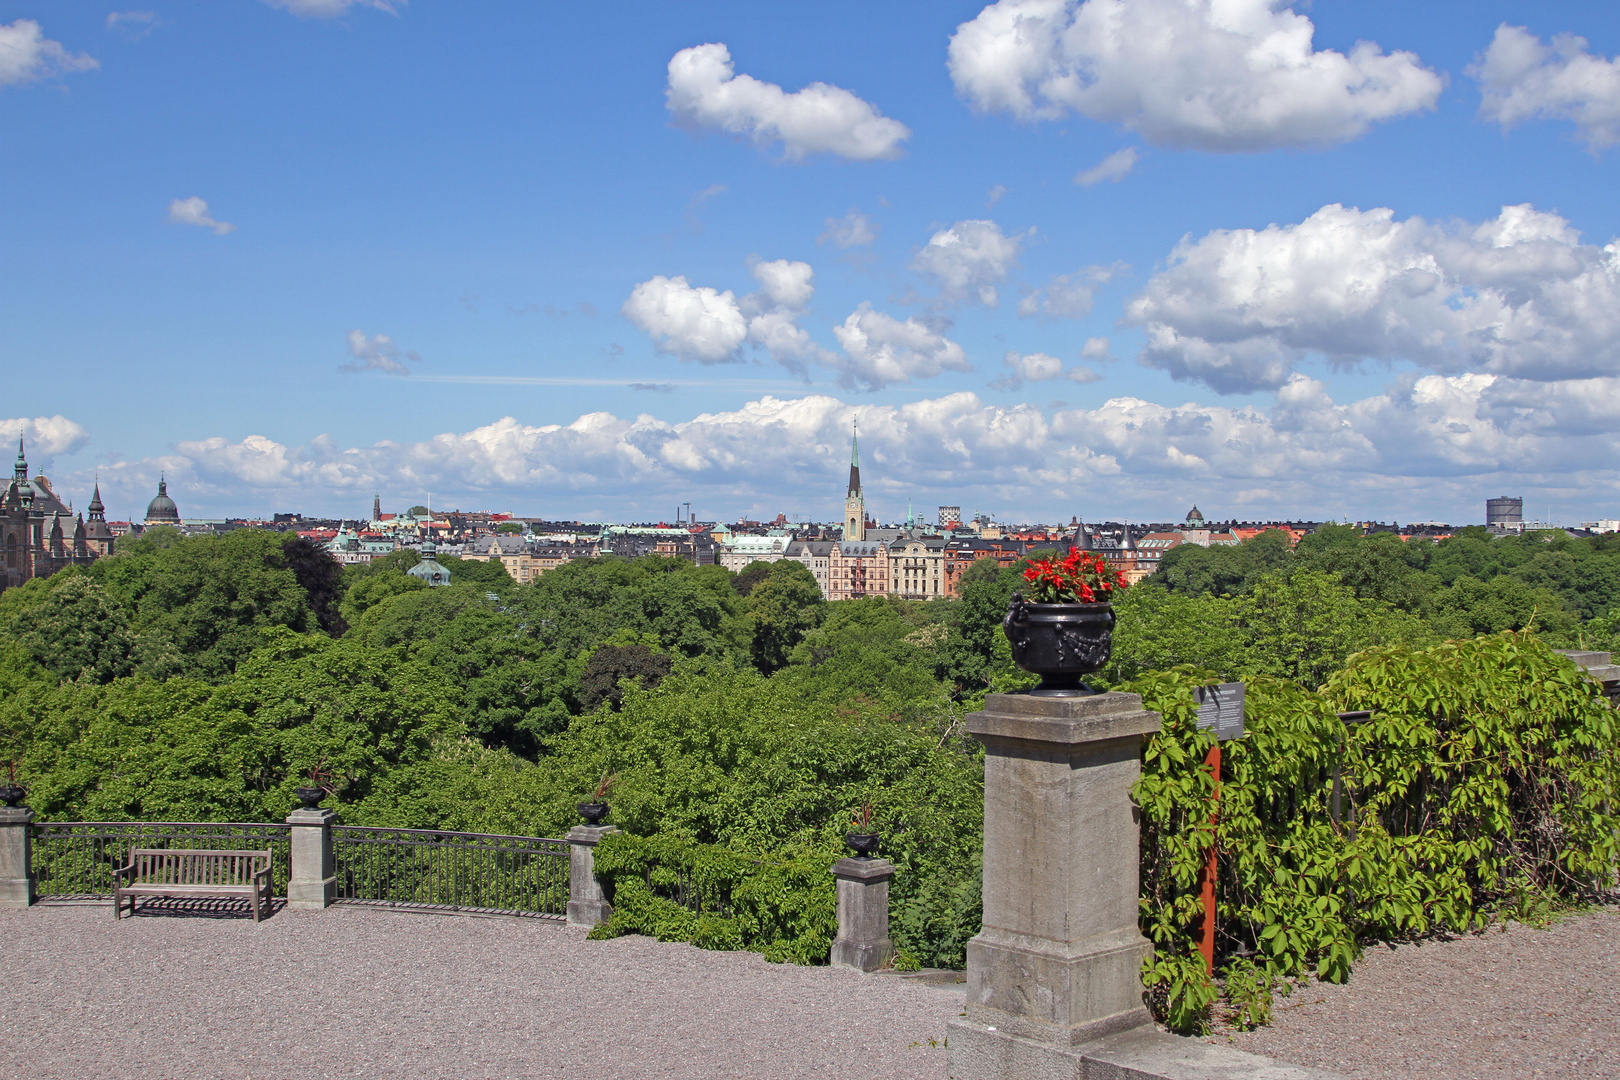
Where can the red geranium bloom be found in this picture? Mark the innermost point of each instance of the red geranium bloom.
(1081, 577)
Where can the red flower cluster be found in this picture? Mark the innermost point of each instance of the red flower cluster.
(1081, 578)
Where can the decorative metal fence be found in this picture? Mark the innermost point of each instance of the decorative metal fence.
(74, 860)
(456, 871)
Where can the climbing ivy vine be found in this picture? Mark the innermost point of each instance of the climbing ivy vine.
(1484, 783)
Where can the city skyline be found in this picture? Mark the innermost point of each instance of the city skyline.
(292, 253)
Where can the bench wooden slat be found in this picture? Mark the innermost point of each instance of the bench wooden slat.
(193, 872)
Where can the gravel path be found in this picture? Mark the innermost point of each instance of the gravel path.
(1514, 1003)
(372, 993)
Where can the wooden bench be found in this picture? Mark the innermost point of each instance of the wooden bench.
(192, 872)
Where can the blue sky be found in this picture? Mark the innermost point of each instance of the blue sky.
(561, 260)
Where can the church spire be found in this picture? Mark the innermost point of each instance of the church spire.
(854, 501)
(855, 459)
(21, 472)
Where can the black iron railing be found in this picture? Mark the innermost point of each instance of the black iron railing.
(430, 869)
(74, 860)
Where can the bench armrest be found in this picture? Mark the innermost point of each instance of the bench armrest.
(123, 873)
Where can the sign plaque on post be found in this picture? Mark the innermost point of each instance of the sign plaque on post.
(1220, 710)
(1221, 707)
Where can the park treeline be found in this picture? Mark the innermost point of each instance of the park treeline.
(745, 718)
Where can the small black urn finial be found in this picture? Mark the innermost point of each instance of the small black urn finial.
(310, 796)
(593, 812)
(11, 795)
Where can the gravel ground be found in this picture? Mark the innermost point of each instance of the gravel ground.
(372, 993)
(1509, 1003)
(366, 992)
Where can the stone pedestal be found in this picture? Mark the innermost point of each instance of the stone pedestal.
(587, 903)
(16, 857)
(312, 880)
(1057, 964)
(863, 914)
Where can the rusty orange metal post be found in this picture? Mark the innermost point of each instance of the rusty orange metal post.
(1206, 941)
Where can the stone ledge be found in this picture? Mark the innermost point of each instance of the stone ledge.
(980, 1051)
(1064, 721)
(1150, 1054)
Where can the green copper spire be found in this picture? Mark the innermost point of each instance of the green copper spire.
(855, 461)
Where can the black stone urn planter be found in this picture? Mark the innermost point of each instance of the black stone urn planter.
(1059, 642)
(593, 812)
(864, 844)
(310, 797)
(11, 794)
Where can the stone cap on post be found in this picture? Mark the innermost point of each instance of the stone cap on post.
(589, 834)
(863, 870)
(1072, 721)
(320, 815)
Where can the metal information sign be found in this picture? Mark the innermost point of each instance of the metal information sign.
(1221, 707)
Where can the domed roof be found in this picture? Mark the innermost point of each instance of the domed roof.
(1194, 516)
(161, 510)
(430, 569)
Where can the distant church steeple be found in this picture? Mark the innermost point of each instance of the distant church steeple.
(854, 500)
(376, 507)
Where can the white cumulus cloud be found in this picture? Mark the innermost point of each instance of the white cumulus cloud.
(43, 438)
(1068, 296)
(1039, 367)
(194, 211)
(377, 353)
(27, 54)
(1518, 295)
(1115, 167)
(704, 92)
(969, 259)
(690, 322)
(1522, 79)
(705, 325)
(1219, 75)
(854, 229)
(881, 350)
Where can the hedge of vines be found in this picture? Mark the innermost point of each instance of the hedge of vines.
(675, 889)
(1485, 783)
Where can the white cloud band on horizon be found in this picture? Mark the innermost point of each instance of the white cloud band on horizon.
(1425, 443)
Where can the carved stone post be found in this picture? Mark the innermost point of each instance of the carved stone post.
(587, 903)
(16, 862)
(1057, 963)
(312, 882)
(863, 914)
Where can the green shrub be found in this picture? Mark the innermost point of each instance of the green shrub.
(1486, 780)
(784, 907)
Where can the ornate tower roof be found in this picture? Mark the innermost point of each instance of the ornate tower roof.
(161, 510)
(430, 569)
(1194, 517)
(20, 473)
(97, 510)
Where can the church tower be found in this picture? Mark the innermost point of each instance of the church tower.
(854, 501)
